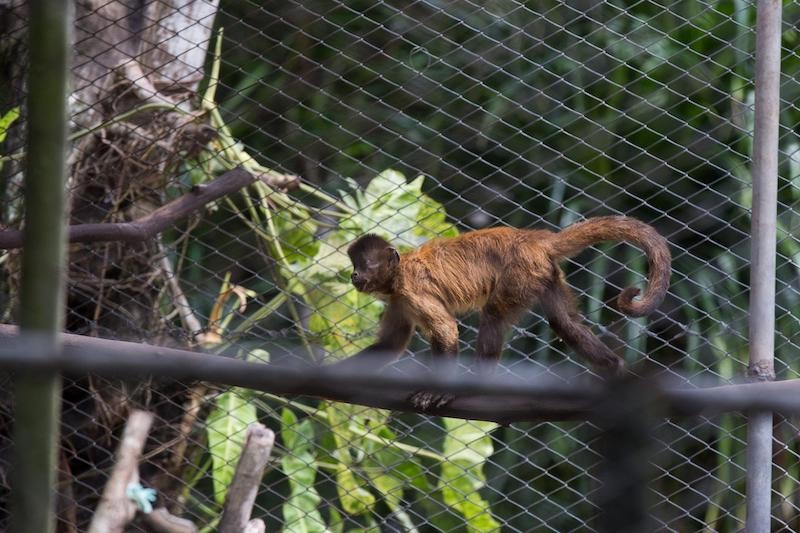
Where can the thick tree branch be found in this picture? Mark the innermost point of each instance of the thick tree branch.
(128, 360)
(147, 226)
(500, 399)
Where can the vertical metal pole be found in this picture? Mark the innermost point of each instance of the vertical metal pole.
(626, 419)
(762, 266)
(37, 395)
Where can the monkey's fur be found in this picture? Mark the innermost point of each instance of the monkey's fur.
(501, 272)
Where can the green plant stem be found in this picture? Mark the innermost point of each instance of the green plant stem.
(231, 148)
(208, 100)
(38, 395)
(280, 256)
(262, 313)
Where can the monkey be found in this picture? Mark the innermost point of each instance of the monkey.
(500, 272)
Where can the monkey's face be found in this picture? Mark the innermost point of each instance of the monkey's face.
(374, 271)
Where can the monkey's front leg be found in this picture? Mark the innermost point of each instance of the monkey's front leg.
(394, 333)
(442, 331)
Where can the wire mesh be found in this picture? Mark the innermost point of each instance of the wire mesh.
(515, 113)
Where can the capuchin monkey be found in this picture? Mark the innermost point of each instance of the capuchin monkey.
(501, 272)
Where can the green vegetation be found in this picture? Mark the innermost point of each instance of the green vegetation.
(424, 119)
(522, 115)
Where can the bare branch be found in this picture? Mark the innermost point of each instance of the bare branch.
(89, 355)
(161, 521)
(244, 487)
(255, 526)
(185, 311)
(503, 399)
(115, 509)
(147, 226)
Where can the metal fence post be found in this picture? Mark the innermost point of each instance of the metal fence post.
(763, 249)
(626, 419)
(37, 400)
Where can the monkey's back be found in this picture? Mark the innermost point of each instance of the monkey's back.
(466, 271)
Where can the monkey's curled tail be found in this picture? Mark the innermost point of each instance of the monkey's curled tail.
(576, 237)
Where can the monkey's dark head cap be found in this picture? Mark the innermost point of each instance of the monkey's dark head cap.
(367, 243)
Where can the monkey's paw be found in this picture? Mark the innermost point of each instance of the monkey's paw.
(425, 400)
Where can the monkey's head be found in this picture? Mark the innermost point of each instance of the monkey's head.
(375, 264)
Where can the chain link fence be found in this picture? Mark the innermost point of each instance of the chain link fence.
(532, 114)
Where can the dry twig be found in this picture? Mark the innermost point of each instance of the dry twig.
(115, 509)
(161, 521)
(244, 487)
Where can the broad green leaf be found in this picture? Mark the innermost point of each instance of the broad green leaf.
(353, 495)
(467, 446)
(226, 428)
(300, 511)
(258, 355)
(330, 263)
(344, 321)
(432, 220)
(397, 210)
(336, 522)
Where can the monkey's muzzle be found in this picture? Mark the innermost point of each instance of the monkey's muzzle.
(358, 282)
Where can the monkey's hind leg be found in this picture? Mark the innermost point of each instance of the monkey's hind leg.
(559, 307)
(495, 321)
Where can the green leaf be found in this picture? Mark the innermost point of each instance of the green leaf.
(336, 521)
(390, 471)
(353, 495)
(397, 210)
(298, 238)
(467, 446)
(343, 318)
(226, 428)
(330, 264)
(432, 220)
(258, 355)
(300, 511)
(6, 120)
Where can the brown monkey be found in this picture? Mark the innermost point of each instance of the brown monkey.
(501, 272)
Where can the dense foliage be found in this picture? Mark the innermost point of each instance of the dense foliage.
(524, 114)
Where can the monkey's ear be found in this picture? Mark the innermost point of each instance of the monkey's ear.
(393, 256)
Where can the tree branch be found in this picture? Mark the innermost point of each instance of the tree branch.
(89, 355)
(243, 489)
(161, 521)
(147, 226)
(115, 509)
(502, 399)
